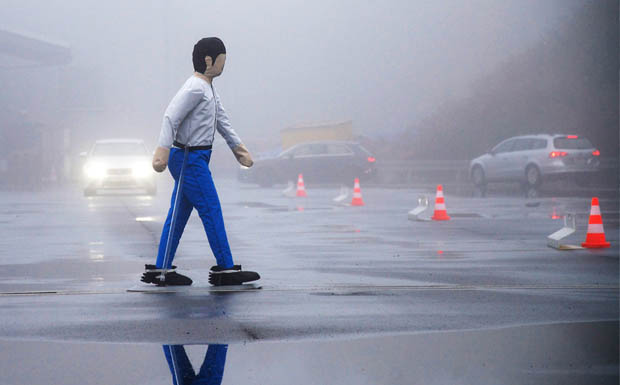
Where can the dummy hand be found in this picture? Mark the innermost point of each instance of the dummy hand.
(160, 158)
(243, 155)
(212, 72)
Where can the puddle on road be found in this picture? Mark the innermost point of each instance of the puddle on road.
(358, 239)
(336, 229)
(281, 208)
(298, 208)
(465, 215)
(17, 212)
(256, 205)
(553, 353)
(351, 293)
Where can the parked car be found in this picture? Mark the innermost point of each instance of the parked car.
(118, 164)
(319, 162)
(533, 158)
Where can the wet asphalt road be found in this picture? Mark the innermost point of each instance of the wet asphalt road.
(333, 277)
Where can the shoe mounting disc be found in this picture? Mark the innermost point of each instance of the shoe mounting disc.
(196, 287)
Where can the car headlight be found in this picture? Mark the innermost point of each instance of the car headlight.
(94, 170)
(141, 170)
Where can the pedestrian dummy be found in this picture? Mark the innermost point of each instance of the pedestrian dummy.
(185, 146)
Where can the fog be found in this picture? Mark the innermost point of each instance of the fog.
(432, 194)
(387, 67)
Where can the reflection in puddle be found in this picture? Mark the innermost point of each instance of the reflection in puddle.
(211, 372)
(546, 353)
(555, 214)
(255, 205)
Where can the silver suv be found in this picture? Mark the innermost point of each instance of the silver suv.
(532, 158)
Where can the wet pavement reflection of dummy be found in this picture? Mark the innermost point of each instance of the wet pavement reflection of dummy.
(212, 369)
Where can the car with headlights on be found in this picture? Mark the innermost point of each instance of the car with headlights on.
(321, 162)
(118, 164)
(530, 159)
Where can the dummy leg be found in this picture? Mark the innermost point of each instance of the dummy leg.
(201, 191)
(152, 272)
(183, 214)
(179, 364)
(212, 369)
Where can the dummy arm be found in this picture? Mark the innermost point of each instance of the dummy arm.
(232, 139)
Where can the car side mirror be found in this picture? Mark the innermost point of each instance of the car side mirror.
(83, 154)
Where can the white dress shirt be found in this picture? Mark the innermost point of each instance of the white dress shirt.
(192, 114)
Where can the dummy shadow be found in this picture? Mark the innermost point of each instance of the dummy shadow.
(211, 372)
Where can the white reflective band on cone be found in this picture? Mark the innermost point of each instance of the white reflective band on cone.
(595, 210)
(595, 228)
(440, 206)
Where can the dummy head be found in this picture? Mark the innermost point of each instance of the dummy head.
(209, 56)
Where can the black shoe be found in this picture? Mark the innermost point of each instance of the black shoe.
(171, 278)
(151, 272)
(219, 276)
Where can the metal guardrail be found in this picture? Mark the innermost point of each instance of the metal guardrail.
(455, 171)
(412, 171)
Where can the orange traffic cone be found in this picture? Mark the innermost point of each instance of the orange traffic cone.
(440, 213)
(357, 194)
(595, 239)
(301, 189)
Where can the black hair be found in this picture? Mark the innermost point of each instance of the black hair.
(208, 46)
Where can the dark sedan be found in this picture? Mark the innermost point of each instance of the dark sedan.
(319, 162)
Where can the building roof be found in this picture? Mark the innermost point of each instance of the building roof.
(33, 49)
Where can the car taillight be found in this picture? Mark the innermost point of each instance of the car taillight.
(572, 137)
(557, 154)
(596, 153)
(371, 159)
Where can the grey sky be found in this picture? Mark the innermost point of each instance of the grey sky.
(382, 64)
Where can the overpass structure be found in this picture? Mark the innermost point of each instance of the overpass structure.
(32, 131)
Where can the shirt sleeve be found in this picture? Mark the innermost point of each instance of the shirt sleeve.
(224, 127)
(183, 102)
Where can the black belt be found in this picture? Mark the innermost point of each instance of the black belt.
(191, 148)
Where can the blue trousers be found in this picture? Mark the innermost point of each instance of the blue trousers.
(198, 191)
(211, 372)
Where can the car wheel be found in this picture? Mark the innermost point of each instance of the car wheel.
(477, 176)
(532, 176)
(480, 192)
(532, 193)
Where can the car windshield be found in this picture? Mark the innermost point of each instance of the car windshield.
(363, 150)
(567, 143)
(504, 146)
(119, 149)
